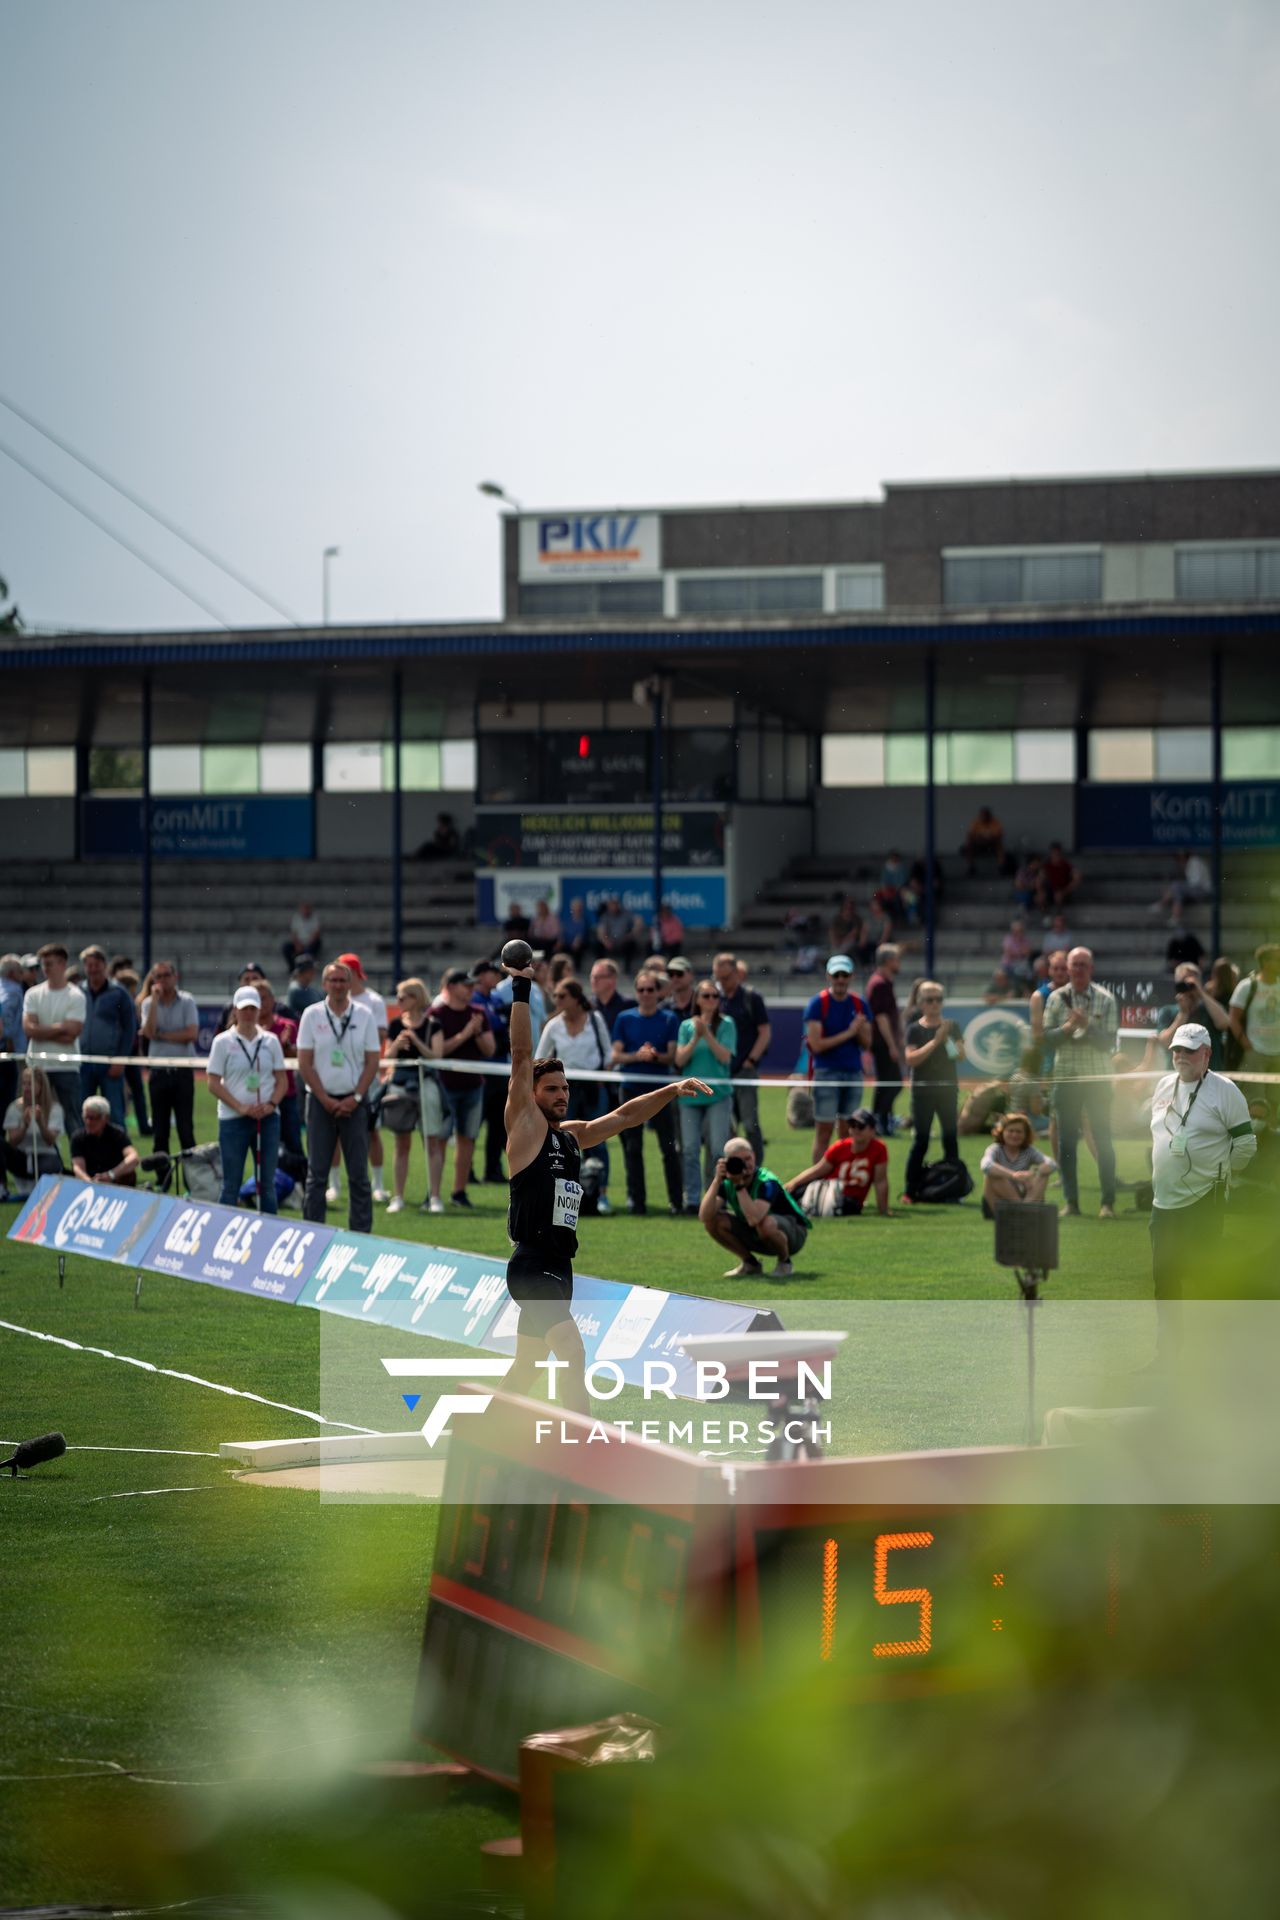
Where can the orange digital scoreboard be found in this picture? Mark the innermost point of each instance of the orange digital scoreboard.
(564, 1593)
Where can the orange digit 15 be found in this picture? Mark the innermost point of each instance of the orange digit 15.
(887, 1596)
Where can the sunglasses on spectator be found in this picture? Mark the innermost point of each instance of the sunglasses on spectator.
(705, 995)
(930, 999)
(646, 989)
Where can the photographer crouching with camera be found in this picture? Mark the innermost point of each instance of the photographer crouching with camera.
(747, 1210)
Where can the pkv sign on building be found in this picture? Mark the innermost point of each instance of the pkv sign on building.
(578, 545)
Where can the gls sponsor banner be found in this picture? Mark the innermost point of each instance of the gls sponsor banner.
(248, 1252)
(575, 545)
(432, 1290)
(1174, 816)
(76, 1216)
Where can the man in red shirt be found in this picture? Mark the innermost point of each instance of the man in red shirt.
(857, 1164)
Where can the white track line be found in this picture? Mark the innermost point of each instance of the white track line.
(169, 1453)
(145, 1493)
(192, 1379)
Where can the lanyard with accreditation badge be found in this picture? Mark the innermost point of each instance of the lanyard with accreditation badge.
(1178, 1140)
(253, 1079)
(337, 1058)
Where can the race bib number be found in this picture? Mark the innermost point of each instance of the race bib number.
(564, 1211)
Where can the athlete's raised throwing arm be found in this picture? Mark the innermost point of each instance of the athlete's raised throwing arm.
(525, 1121)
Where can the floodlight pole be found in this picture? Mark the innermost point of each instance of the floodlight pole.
(146, 824)
(930, 720)
(397, 829)
(1215, 808)
(655, 693)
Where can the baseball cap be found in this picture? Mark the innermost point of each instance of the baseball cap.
(457, 977)
(30, 960)
(1191, 1037)
(839, 963)
(352, 962)
(487, 965)
(679, 965)
(252, 966)
(305, 963)
(246, 997)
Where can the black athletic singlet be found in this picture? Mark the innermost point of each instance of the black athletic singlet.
(545, 1196)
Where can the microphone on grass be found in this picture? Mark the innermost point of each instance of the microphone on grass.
(34, 1453)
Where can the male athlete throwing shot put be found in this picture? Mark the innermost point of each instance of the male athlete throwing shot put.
(544, 1154)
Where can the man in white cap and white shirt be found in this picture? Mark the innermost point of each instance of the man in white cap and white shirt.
(1201, 1136)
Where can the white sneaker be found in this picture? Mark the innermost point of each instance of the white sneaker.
(333, 1195)
(602, 1205)
(396, 1205)
(437, 1204)
(379, 1196)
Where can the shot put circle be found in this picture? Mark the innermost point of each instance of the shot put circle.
(517, 953)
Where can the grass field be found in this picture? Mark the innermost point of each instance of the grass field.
(165, 1624)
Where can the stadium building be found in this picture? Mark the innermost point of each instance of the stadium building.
(791, 690)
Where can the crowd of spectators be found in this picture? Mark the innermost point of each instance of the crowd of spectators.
(306, 1082)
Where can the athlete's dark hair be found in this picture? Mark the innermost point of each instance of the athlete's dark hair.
(542, 1067)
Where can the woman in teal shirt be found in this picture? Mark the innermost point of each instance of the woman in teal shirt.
(707, 1041)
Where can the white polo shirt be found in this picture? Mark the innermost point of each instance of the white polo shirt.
(339, 1043)
(1211, 1118)
(246, 1067)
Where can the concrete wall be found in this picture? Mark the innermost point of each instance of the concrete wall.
(37, 829)
(350, 824)
(759, 843)
(867, 821)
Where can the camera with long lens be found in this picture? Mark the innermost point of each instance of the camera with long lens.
(735, 1165)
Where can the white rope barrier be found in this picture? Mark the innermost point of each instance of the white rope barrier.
(607, 1076)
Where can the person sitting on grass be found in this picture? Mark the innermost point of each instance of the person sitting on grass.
(102, 1151)
(748, 1210)
(840, 1181)
(1014, 1170)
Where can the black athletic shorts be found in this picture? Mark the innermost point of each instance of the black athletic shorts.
(543, 1288)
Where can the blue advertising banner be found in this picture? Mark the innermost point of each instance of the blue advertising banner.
(76, 1216)
(258, 1253)
(459, 1297)
(1178, 815)
(435, 1290)
(213, 827)
(697, 897)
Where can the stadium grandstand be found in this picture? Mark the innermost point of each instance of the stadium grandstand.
(801, 694)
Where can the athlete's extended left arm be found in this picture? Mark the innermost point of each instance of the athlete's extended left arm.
(634, 1113)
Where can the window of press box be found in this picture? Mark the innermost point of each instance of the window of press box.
(713, 593)
(582, 599)
(1227, 573)
(1012, 579)
(1251, 753)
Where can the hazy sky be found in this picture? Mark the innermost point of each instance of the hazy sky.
(303, 273)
